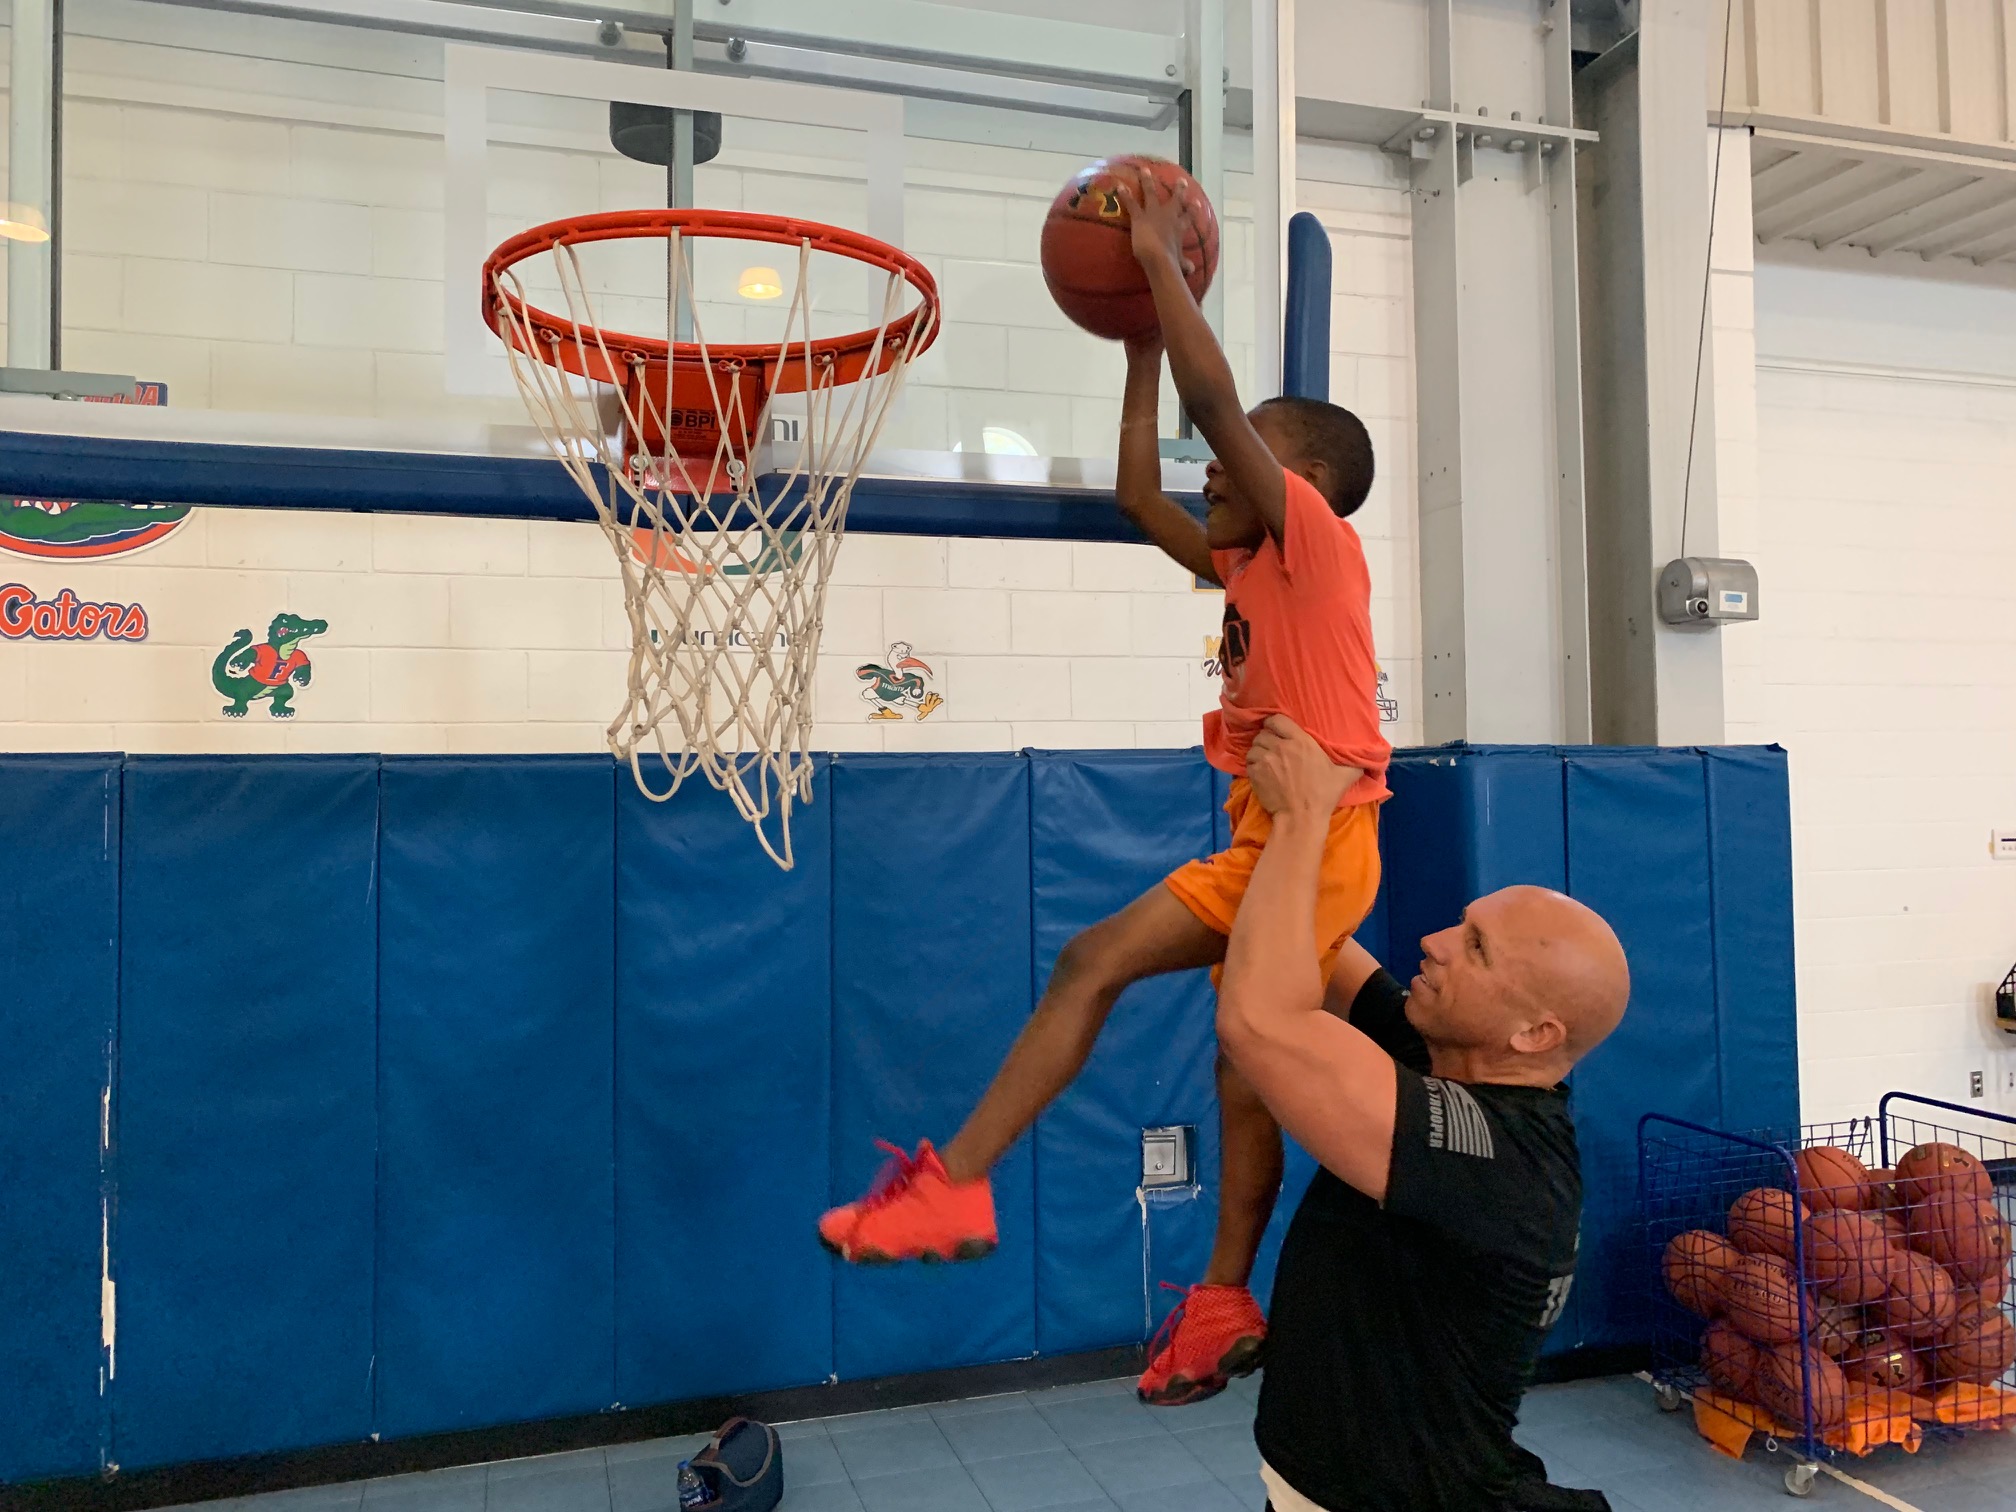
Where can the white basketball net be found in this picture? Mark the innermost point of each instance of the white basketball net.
(725, 591)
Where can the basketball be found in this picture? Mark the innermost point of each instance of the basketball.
(1693, 1268)
(1979, 1353)
(1883, 1187)
(1833, 1328)
(1782, 1386)
(1921, 1302)
(1831, 1178)
(1973, 1307)
(1933, 1168)
(1088, 251)
(1761, 1221)
(1849, 1255)
(1729, 1360)
(1877, 1357)
(1962, 1232)
(1761, 1299)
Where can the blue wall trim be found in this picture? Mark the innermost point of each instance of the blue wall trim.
(526, 488)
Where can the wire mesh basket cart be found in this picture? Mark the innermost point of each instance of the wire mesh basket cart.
(1837, 1287)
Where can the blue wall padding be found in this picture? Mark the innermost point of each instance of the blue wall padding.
(931, 984)
(1637, 848)
(1517, 813)
(1428, 859)
(724, 995)
(245, 1122)
(459, 1091)
(1376, 934)
(59, 996)
(496, 1032)
(1750, 858)
(1106, 829)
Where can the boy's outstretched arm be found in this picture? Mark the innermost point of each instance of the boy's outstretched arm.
(1203, 377)
(1138, 484)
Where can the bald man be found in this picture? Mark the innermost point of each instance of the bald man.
(1437, 1244)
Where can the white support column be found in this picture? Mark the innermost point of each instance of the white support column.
(1672, 106)
(1732, 367)
(31, 182)
(1652, 431)
(679, 172)
(1498, 391)
(679, 185)
(1204, 76)
(1273, 182)
(1572, 553)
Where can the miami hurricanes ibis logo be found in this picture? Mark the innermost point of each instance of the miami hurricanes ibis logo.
(899, 684)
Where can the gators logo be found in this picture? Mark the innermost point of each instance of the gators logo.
(66, 530)
(72, 530)
(272, 669)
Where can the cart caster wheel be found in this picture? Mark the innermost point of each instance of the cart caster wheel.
(1669, 1397)
(1799, 1479)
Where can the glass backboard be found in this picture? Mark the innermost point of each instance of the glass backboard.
(276, 218)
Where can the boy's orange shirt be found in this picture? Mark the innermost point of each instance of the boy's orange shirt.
(1298, 641)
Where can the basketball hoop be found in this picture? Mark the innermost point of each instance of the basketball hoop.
(724, 570)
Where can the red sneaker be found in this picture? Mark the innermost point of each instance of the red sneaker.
(1212, 1335)
(914, 1212)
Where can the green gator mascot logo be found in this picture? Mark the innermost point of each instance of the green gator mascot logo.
(70, 530)
(272, 669)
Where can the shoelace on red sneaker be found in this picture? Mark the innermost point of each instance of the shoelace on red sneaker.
(893, 1180)
(1171, 1323)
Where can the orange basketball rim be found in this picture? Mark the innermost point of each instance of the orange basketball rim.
(701, 402)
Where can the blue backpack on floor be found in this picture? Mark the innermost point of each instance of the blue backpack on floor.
(743, 1467)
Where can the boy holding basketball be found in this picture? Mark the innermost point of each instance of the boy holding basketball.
(1297, 641)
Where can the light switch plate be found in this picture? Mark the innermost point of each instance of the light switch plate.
(1165, 1157)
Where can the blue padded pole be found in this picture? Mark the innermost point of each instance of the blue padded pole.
(1305, 344)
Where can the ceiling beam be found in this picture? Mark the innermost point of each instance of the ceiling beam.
(1982, 243)
(1798, 174)
(1805, 215)
(1933, 215)
(1989, 221)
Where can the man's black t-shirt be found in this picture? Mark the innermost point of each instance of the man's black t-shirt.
(1401, 1337)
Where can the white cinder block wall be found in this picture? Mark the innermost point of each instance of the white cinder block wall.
(254, 218)
(1885, 661)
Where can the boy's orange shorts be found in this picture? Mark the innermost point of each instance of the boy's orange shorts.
(1213, 888)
